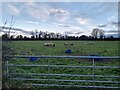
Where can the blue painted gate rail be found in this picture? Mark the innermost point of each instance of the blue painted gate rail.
(65, 66)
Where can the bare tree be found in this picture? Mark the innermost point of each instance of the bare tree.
(40, 34)
(36, 33)
(52, 35)
(11, 25)
(96, 32)
(58, 35)
(32, 33)
(2, 28)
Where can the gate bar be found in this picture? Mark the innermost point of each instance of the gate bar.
(37, 74)
(89, 57)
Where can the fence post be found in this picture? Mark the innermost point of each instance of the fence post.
(7, 68)
(48, 68)
(93, 71)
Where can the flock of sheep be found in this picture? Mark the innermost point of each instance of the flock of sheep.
(66, 44)
(52, 44)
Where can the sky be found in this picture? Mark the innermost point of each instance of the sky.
(70, 18)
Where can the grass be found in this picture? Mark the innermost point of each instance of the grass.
(103, 48)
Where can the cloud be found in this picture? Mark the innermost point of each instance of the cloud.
(66, 26)
(102, 25)
(70, 29)
(111, 23)
(37, 11)
(112, 18)
(68, 32)
(60, 14)
(72, 32)
(32, 22)
(16, 29)
(75, 28)
(61, 25)
(7, 31)
(38, 14)
(113, 31)
(58, 24)
(78, 33)
(44, 12)
(82, 21)
(115, 23)
(12, 9)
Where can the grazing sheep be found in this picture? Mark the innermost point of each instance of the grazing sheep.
(65, 43)
(68, 44)
(71, 43)
(49, 44)
(53, 45)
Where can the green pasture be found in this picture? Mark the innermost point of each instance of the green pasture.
(79, 48)
(104, 48)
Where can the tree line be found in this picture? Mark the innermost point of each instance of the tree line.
(96, 34)
(33, 37)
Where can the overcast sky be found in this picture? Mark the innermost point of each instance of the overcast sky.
(75, 18)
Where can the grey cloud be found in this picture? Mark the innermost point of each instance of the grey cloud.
(16, 29)
(102, 25)
(68, 32)
(78, 32)
(62, 25)
(72, 32)
(115, 23)
(113, 31)
(66, 26)
(7, 31)
(60, 15)
(45, 11)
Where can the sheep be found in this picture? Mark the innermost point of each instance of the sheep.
(68, 44)
(49, 44)
(65, 43)
(53, 45)
(71, 43)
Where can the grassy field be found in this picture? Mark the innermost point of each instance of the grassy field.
(105, 48)
(79, 48)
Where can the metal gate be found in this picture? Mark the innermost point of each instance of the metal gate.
(48, 71)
